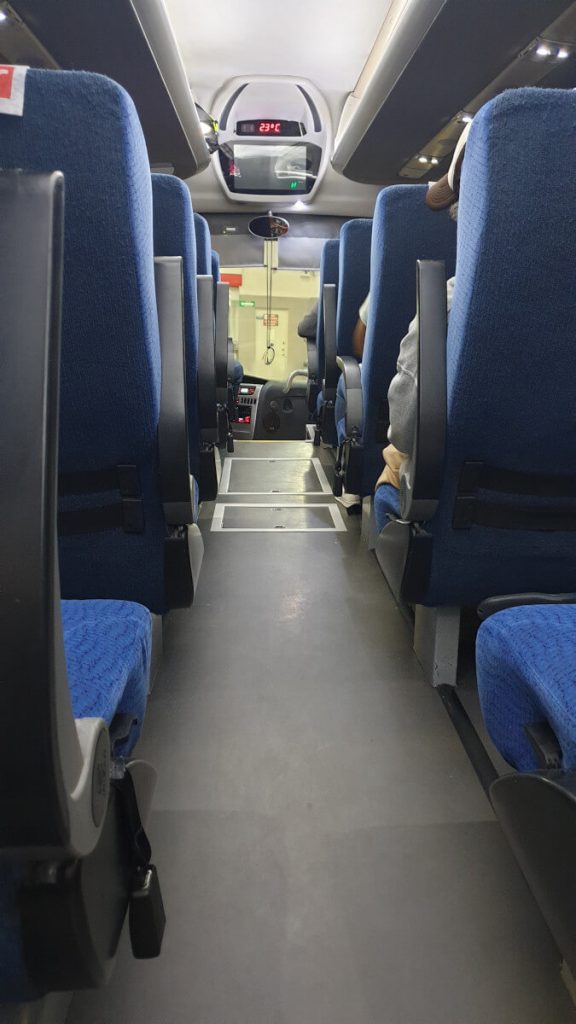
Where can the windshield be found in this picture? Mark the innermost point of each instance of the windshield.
(265, 332)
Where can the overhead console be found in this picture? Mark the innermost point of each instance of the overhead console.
(274, 139)
(132, 42)
(435, 63)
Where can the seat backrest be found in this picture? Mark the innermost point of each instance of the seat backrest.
(353, 279)
(328, 275)
(174, 235)
(203, 245)
(511, 348)
(215, 266)
(86, 126)
(404, 230)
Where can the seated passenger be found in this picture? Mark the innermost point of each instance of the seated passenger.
(403, 391)
(308, 326)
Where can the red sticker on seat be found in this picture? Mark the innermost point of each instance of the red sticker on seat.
(6, 81)
(12, 88)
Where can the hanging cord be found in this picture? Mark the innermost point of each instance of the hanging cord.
(270, 353)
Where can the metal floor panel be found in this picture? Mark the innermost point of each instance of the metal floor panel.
(274, 449)
(243, 518)
(273, 476)
(327, 855)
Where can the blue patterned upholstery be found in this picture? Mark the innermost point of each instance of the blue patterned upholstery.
(511, 347)
(526, 669)
(329, 263)
(203, 245)
(404, 230)
(108, 649)
(174, 235)
(87, 126)
(215, 261)
(353, 279)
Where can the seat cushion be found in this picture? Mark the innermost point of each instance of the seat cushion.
(386, 503)
(526, 668)
(108, 649)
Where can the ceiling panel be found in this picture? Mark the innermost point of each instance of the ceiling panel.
(322, 40)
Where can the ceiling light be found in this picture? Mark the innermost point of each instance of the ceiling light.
(465, 118)
(563, 53)
(3, 16)
(423, 160)
(299, 205)
(435, 161)
(543, 50)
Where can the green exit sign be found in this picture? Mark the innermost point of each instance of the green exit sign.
(294, 184)
(247, 302)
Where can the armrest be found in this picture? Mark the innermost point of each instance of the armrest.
(330, 367)
(353, 387)
(54, 772)
(173, 441)
(292, 377)
(421, 478)
(312, 355)
(207, 400)
(498, 604)
(221, 342)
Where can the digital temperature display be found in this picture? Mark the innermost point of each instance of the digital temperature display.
(262, 127)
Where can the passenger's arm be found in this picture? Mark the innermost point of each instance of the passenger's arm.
(403, 393)
(358, 338)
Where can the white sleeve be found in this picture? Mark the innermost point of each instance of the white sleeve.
(364, 309)
(402, 393)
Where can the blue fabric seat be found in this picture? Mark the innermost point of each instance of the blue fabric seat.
(215, 261)
(511, 362)
(353, 279)
(203, 245)
(86, 126)
(404, 230)
(108, 649)
(329, 264)
(175, 235)
(386, 503)
(353, 283)
(526, 670)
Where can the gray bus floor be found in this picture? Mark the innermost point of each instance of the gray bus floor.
(326, 853)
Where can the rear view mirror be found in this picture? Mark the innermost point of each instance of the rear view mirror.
(268, 227)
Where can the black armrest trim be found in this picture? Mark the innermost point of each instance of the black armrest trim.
(419, 496)
(492, 605)
(221, 341)
(353, 387)
(330, 349)
(207, 398)
(40, 758)
(173, 443)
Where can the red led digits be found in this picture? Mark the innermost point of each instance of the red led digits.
(270, 128)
